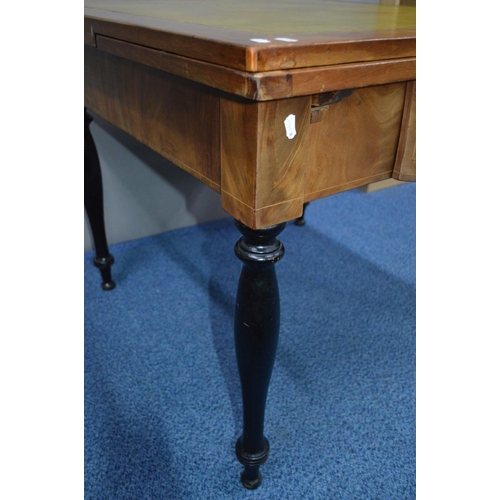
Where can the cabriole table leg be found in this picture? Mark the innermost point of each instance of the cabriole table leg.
(256, 329)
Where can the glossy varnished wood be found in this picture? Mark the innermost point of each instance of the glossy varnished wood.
(256, 331)
(269, 85)
(187, 80)
(177, 118)
(356, 141)
(239, 147)
(323, 33)
(405, 168)
(262, 170)
(314, 17)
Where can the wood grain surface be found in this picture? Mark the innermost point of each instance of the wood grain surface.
(175, 117)
(186, 79)
(239, 147)
(265, 86)
(258, 35)
(261, 168)
(405, 168)
(277, 17)
(356, 141)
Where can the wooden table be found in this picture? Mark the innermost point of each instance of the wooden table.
(271, 104)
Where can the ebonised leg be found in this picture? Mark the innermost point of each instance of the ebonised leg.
(103, 260)
(301, 220)
(256, 330)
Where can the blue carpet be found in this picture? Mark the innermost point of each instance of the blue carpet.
(162, 403)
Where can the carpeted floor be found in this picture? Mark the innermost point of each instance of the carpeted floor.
(162, 404)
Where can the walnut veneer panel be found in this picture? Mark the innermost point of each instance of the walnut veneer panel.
(354, 142)
(175, 117)
(405, 168)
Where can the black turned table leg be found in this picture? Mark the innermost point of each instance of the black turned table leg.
(103, 260)
(256, 330)
(301, 220)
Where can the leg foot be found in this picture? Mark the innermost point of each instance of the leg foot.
(104, 265)
(251, 484)
(256, 330)
(301, 220)
(251, 476)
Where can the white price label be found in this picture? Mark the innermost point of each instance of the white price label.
(290, 126)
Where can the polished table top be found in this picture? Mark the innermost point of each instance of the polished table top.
(257, 36)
